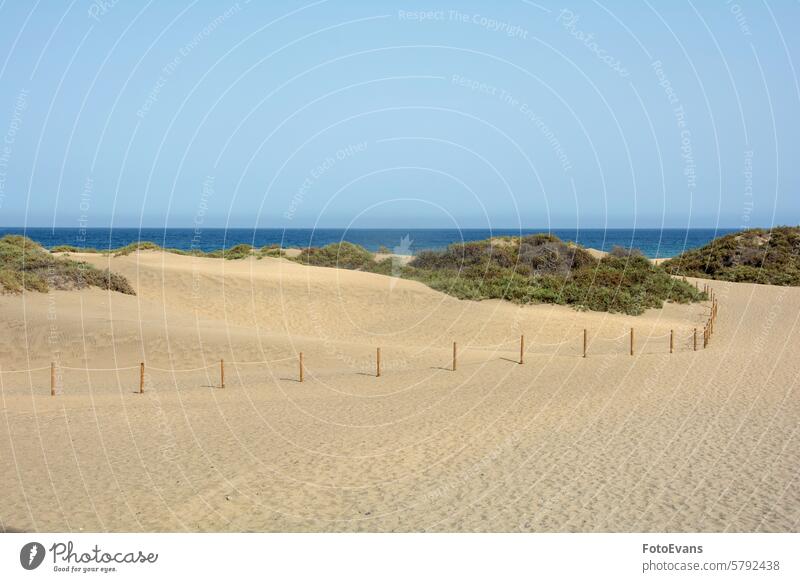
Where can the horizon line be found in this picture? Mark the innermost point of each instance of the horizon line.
(522, 228)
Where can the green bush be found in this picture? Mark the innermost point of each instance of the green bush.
(272, 250)
(754, 256)
(459, 256)
(543, 269)
(385, 267)
(24, 265)
(236, 252)
(343, 255)
(624, 252)
(546, 254)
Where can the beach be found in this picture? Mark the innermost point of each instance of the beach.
(700, 441)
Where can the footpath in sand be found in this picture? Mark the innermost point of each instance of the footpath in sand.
(688, 441)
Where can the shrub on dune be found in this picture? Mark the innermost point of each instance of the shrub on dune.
(543, 269)
(624, 252)
(753, 256)
(343, 255)
(25, 265)
(236, 252)
(272, 250)
(547, 254)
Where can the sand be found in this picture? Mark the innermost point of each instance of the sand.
(689, 441)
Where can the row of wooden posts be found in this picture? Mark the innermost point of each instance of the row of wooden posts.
(708, 331)
(706, 336)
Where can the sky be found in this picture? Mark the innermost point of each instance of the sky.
(377, 114)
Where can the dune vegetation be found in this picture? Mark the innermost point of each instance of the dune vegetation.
(538, 268)
(534, 269)
(236, 252)
(753, 256)
(343, 255)
(543, 269)
(25, 265)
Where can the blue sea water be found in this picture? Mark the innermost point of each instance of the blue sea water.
(653, 243)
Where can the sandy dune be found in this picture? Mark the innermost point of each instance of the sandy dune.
(692, 441)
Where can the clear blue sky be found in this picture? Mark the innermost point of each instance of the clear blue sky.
(373, 114)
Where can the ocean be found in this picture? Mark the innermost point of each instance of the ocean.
(654, 242)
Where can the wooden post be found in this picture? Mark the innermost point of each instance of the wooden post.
(222, 373)
(52, 379)
(301, 366)
(522, 349)
(695, 339)
(696, 286)
(631, 341)
(454, 356)
(671, 341)
(584, 342)
(378, 364)
(705, 337)
(141, 377)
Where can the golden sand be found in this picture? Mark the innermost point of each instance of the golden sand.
(692, 441)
